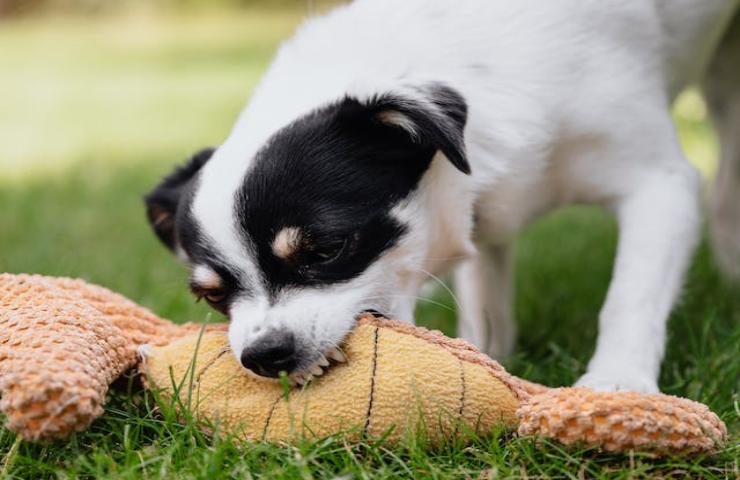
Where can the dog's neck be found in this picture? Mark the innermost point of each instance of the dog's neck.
(440, 217)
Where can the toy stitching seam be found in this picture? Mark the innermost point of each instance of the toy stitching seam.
(269, 416)
(372, 380)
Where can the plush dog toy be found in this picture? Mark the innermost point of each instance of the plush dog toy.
(63, 341)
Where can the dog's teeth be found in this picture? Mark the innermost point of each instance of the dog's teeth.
(300, 379)
(295, 379)
(337, 355)
(323, 362)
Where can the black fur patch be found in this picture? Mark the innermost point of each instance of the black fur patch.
(162, 202)
(336, 174)
(441, 126)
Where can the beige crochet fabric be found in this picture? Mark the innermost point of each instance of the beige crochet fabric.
(63, 341)
(622, 421)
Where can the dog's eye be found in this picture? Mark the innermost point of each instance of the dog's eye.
(213, 297)
(325, 254)
(216, 297)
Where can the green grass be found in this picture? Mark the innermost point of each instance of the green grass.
(94, 111)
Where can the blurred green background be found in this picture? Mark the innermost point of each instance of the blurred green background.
(99, 99)
(95, 108)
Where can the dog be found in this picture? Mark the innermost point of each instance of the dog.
(392, 141)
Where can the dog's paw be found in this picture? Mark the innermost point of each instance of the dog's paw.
(616, 383)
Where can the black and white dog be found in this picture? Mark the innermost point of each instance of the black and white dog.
(391, 140)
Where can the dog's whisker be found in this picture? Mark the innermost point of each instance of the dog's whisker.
(448, 258)
(415, 297)
(443, 285)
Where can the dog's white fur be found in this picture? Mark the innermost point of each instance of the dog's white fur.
(568, 102)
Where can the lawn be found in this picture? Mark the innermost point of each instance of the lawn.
(94, 111)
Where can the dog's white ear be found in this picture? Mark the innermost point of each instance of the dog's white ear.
(162, 202)
(436, 116)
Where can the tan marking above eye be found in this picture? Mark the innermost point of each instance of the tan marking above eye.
(286, 242)
(205, 278)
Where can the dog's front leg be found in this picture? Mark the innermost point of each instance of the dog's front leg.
(658, 225)
(483, 287)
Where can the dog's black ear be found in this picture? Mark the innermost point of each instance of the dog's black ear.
(436, 117)
(162, 202)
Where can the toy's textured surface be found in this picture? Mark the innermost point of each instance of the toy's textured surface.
(392, 379)
(63, 341)
(621, 421)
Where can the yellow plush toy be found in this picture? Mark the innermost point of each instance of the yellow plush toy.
(63, 341)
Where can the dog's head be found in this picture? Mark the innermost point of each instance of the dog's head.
(330, 217)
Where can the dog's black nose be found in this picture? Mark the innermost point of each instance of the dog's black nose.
(273, 354)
